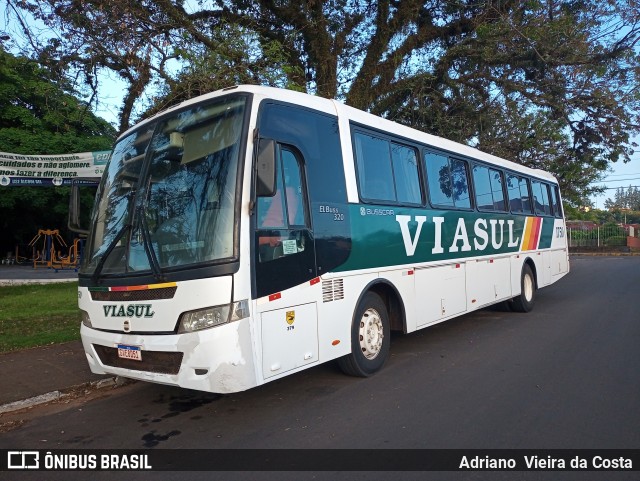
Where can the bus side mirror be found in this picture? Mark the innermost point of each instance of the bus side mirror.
(266, 168)
(73, 221)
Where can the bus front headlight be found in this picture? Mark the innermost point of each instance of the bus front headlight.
(213, 316)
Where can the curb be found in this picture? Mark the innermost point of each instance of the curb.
(605, 254)
(112, 382)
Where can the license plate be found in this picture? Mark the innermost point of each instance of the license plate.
(129, 352)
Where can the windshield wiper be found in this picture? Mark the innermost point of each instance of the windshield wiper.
(107, 252)
(148, 247)
(112, 245)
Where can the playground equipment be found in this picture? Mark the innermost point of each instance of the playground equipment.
(47, 247)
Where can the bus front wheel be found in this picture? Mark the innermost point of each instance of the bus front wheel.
(525, 301)
(370, 338)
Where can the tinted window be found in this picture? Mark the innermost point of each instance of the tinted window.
(387, 171)
(484, 197)
(518, 192)
(375, 176)
(405, 170)
(293, 181)
(541, 198)
(460, 183)
(439, 179)
(271, 209)
(448, 181)
(488, 188)
(497, 189)
(282, 218)
(555, 201)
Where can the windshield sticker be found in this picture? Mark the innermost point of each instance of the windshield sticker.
(289, 247)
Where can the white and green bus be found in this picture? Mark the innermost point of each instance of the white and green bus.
(254, 232)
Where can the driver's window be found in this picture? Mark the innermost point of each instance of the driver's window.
(282, 215)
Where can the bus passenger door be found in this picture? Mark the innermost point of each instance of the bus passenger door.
(284, 254)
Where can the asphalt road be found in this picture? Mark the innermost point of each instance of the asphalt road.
(564, 376)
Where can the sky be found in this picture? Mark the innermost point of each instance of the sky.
(622, 175)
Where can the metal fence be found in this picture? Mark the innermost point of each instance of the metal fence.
(597, 236)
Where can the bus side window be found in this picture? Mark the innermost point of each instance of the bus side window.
(407, 178)
(525, 195)
(448, 181)
(387, 171)
(497, 189)
(484, 197)
(270, 209)
(513, 191)
(541, 198)
(277, 216)
(375, 173)
(519, 194)
(293, 183)
(557, 210)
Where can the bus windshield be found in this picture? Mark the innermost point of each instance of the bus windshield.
(166, 200)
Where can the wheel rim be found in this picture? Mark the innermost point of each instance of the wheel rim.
(371, 333)
(528, 287)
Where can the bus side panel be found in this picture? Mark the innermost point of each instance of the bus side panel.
(403, 281)
(440, 292)
(517, 261)
(488, 281)
(340, 295)
(289, 338)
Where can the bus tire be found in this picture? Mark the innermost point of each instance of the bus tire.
(527, 298)
(370, 338)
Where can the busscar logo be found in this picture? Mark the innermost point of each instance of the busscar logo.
(23, 460)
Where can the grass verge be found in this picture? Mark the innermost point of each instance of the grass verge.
(38, 314)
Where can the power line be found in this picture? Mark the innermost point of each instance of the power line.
(620, 180)
(622, 175)
(616, 188)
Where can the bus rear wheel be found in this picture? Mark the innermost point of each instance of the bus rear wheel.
(370, 338)
(525, 301)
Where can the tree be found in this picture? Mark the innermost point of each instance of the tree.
(39, 115)
(546, 83)
(629, 200)
(239, 59)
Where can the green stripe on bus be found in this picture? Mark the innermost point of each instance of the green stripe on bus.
(546, 235)
(388, 236)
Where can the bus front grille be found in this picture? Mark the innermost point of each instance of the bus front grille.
(135, 295)
(152, 361)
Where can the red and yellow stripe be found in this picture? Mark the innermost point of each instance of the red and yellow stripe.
(532, 229)
(133, 288)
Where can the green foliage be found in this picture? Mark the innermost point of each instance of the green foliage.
(574, 213)
(242, 58)
(40, 116)
(36, 314)
(629, 199)
(620, 240)
(549, 85)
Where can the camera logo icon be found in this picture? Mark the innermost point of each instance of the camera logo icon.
(23, 460)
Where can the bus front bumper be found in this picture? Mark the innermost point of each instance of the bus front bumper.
(218, 360)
